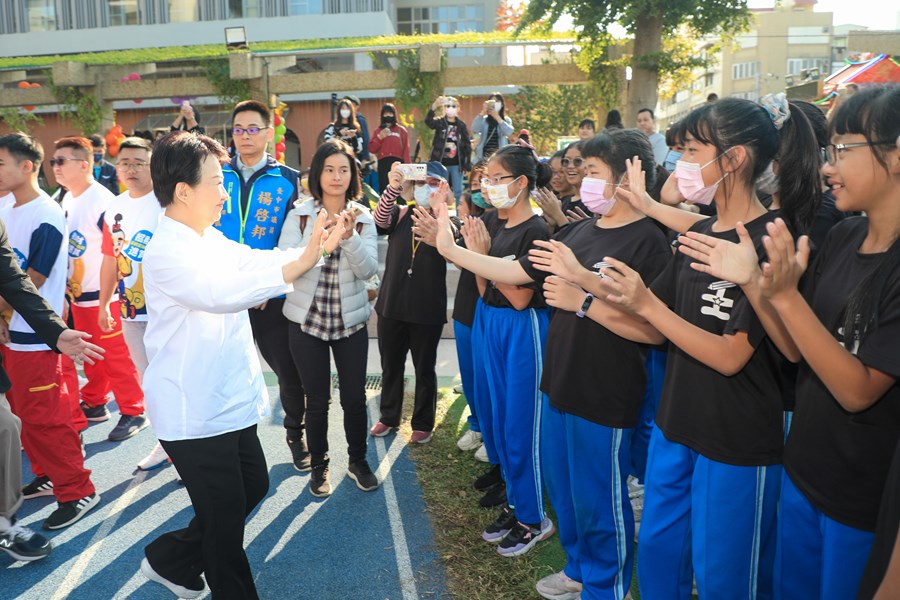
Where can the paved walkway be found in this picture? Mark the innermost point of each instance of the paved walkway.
(353, 545)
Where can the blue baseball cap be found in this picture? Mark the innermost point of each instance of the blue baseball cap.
(436, 169)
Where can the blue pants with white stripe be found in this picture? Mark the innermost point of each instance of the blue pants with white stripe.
(513, 352)
(585, 469)
(714, 517)
(463, 336)
(655, 365)
(818, 558)
(480, 401)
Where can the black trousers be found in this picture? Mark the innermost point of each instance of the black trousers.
(226, 477)
(313, 361)
(384, 167)
(395, 339)
(270, 330)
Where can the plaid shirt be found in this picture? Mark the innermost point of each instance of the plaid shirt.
(324, 319)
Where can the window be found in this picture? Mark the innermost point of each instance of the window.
(244, 9)
(184, 11)
(746, 96)
(440, 19)
(744, 70)
(123, 12)
(796, 65)
(306, 7)
(709, 79)
(41, 15)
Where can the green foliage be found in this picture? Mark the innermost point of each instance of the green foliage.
(415, 90)
(553, 111)
(18, 119)
(142, 55)
(77, 106)
(229, 91)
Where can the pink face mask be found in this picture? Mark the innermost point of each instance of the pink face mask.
(689, 177)
(593, 196)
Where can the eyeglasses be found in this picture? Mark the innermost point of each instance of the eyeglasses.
(575, 162)
(58, 162)
(832, 152)
(247, 130)
(131, 166)
(486, 181)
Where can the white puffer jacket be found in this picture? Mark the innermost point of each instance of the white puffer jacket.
(359, 262)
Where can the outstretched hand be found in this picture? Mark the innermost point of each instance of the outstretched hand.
(425, 226)
(555, 257)
(626, 288)
(737, 263)
(74, 344)
(786, 264)
(636, 192)
(443, 240)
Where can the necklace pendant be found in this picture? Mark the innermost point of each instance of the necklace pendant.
(409, 272)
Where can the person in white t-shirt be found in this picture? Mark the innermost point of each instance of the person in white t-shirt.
(38, 394)
(129, 223)
(204, 383)
(85, 206)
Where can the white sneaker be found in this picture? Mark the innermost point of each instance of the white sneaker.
(481, 454)
(470, 440)
(636, 496)
(178, 590)
(558, 586)
(155, 459)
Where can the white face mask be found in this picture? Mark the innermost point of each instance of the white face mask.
(498, 195)
(498, 106)
(422, 194)
(451, 112)
(345, 114)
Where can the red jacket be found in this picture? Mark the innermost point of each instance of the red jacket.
(395, 145)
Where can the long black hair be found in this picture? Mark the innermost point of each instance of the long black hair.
(499, 96)
(734, 122)
(317, 166)
(875, 114)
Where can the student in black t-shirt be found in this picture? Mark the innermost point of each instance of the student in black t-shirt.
(593, 379)
(514, 322)
(451, 145)
(845, 325)
(714, 464)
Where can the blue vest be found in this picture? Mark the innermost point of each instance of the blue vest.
(255, 210)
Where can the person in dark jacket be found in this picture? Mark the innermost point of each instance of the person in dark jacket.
(451, 145)
(104, 171)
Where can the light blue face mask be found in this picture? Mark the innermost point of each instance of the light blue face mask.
(671, 158)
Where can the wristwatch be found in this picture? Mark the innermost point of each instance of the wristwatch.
(585, 305)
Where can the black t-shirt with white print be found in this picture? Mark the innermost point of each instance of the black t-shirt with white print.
(591, 372)
(739, 419)
(839, 459)
(513, 243)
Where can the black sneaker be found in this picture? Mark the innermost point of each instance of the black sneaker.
(489, 479)
(319, 484)
(494, 497)
(498, 530)
(96, 414)
(22, 543)
(69, 512)
(127, 427)
(300, 454)
(40, 486)
(522, 537)
(360, 472)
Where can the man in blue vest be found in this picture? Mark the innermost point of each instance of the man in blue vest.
(261, 192)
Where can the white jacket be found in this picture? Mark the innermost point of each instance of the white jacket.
(359, 262)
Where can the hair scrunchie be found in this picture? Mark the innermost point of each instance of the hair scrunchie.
(777, 107)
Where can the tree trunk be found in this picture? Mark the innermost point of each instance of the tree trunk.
(643, 87)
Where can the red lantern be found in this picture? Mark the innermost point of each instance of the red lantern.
(24, 85)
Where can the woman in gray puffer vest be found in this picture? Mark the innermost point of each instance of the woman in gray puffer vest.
(329, 308)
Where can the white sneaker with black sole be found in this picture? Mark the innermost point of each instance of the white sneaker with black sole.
(67, 513)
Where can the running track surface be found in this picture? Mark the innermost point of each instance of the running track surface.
(353, 545)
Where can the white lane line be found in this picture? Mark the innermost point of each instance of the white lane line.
(386, 460)
(73, 574)
(291, 530)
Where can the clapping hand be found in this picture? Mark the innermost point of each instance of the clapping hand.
(555, 257)
(562, 294)
(476, 235)
(786, 264)
(576, 214)
(625, 285)
(425, 226)
(737, 263)
(549, 204)
(443, 240)
(636, 193)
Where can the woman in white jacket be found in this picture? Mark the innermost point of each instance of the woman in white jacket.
(329, 308)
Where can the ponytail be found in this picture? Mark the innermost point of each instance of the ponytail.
(799, 180)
